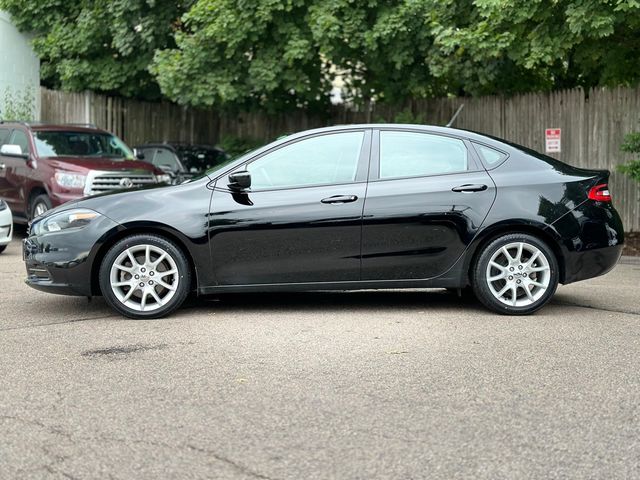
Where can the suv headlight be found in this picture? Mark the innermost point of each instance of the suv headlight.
(166, 178)
(75, 218)
(70, 180)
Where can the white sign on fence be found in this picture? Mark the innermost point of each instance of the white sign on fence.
(552, 140)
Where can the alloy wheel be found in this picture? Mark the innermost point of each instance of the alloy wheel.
(144, 277)
(518, 274)
(39, 209)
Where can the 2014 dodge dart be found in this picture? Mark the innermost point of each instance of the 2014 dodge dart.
(347, 207)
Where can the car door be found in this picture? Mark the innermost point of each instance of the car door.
(427, 197)
(300, 221)
(14, 172)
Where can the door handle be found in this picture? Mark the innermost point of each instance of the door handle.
(340, 199)
(469, 187)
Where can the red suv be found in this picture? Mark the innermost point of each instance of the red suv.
(43, 166)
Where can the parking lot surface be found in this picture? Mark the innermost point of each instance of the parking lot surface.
(364, 385)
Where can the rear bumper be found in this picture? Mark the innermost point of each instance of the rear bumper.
(591, 263)
(592, 238)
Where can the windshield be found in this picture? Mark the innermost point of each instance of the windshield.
(81, 144)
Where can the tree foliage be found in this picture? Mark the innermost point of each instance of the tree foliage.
(280, 54)
(631, 144)
(98, 45)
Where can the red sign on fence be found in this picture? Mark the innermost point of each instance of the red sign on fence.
(552, 140)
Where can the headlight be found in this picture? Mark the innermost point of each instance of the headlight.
(163, 178)
(77, 218)
(70, 180)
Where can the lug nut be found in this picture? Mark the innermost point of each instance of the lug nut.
(524, 274)
(142, 270)
(510, 277)
(152, 273)
(511, 269)
(137, 277)
(517, 281)
(141, 284)
(519, 267)
(150, 282)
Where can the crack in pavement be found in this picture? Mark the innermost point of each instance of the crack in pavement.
(240, 468)
(126, 441)
(24, 327)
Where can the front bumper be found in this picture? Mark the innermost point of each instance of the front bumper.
(62, 262)
(6, 226)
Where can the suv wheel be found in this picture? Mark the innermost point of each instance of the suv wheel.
(39, 205)
(145, 276)
(515, 274)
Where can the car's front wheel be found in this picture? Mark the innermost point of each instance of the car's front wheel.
(515, 274)
(39, 205)
(145, 276)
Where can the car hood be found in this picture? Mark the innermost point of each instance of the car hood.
(85, 164)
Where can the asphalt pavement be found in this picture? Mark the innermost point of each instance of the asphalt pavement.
(363, 385)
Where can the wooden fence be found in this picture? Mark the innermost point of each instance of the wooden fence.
(593, 124)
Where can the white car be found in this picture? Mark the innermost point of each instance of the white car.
(6, 225)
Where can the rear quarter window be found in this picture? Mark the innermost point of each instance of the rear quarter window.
(490, 156)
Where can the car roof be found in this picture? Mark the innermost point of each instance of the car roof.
(56, 127)
(174, 145)
(468, 134)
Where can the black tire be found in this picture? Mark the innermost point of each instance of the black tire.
(41, 201)
(2, 248)
(182, 284)
(480, 281)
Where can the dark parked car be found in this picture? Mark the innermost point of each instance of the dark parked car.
(181, 161)
(350, 207)
(44, 165)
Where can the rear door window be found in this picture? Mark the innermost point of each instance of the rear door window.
(166, 158)
(413, 154)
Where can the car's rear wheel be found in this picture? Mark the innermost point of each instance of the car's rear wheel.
(145, 276)
(39, 205)
(515, 274)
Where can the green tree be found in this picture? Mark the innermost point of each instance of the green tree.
(283, 54)
(508, 46)
(631, 145)
(17, 104)
(249, 54)
(97, 45)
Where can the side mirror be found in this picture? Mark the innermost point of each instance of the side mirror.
(13, 151)
(139, 154)
(240, 180)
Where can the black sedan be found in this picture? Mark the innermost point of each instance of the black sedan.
(181, 161)
(349, 207)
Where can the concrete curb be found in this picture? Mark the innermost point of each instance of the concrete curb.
(629, 260)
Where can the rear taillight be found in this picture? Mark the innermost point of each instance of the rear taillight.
(600, 193)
